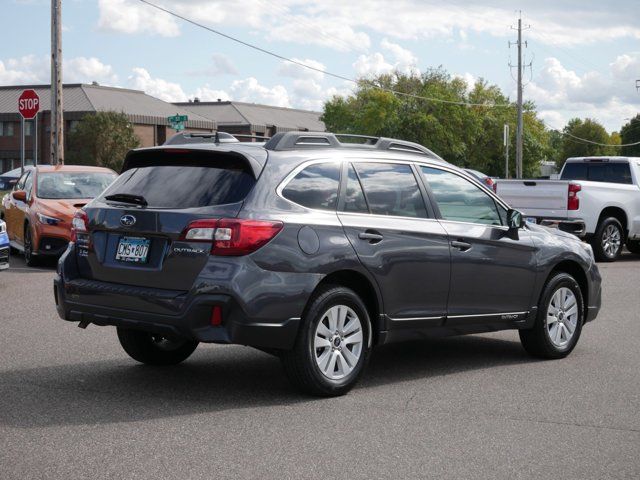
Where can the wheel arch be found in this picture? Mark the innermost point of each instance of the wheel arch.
(618, 213)
(574, 269)
(366, 290)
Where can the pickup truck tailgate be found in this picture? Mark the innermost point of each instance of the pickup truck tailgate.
(536, 198)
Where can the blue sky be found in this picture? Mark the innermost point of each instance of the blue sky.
(586, 54)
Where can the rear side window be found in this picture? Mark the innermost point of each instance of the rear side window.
(391, 189)
(186, 185)
(598, 172)
(315, 187)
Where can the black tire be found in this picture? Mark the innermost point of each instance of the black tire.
(29, 258)
(300, 363)
(598, 241)
(537, 340)
(152, 349)
(633, 246)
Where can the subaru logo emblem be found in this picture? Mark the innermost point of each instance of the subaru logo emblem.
(128, 220)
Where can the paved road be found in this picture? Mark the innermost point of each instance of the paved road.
(73, 406)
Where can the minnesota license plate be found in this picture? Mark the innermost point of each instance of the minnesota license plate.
(133, 249)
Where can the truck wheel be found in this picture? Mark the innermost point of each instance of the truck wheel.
(153, 349)
(633, 246)
(333, 344)
(559, 321)
(608, 240)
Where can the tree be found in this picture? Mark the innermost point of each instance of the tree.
(468, 136)
(101, 139)
(630, 133)
(587, 129)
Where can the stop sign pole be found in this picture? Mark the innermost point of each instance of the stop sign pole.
(28, 106)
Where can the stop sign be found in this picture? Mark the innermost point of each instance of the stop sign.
(28, 104)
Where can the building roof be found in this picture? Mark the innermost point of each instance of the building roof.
(82, 98)
(255, 115)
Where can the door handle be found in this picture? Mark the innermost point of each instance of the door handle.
(460, 245)
(371, 235)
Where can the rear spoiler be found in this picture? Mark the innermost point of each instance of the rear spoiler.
(179, 155)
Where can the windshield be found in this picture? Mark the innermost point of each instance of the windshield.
(72, 185)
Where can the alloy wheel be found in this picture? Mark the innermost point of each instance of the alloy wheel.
(611, 240)
(338, 342)
(562, 317)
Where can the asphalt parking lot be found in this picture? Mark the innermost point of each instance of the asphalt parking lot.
(74, 406)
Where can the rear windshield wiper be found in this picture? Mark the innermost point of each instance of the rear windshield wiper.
(127, 198)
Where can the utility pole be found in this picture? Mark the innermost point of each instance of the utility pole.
(520, 126)
(506, 151)
(57, 125)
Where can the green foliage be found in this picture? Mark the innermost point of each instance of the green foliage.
(630, 133)
(587, 129)
(470, 137)
(101, 139)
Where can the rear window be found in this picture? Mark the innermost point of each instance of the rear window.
(72, 185)
(192, 184)
(598, 172)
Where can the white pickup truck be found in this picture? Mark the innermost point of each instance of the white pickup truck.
(596, 198)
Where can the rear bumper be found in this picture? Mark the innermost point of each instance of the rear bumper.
(193, 321)
(576, 227)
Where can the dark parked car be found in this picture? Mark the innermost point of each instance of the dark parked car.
(316, 251)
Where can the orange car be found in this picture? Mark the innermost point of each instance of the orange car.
(39, 209)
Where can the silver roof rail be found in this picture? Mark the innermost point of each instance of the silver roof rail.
(301, 140)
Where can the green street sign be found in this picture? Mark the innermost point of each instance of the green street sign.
(177, 121)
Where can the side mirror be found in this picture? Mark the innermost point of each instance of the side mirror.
(514, 219)
(19, 195)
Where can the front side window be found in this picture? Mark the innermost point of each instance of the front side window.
(315, 187)
(459, 200)
(391, 189)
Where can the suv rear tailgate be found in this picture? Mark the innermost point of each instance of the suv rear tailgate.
(536, 198)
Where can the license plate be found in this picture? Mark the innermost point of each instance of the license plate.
(133, 249)
(530, 220)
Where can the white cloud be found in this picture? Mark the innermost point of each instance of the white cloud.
(609, 96)
(402, 60)
(82, 69)
(32, 69)
(372, 65)
(134, 17)
(288, 69)
(25, 70)
(140, 79)
(345, 26)
(222, 65)
(250, 90)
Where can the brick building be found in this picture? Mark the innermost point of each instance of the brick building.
(147, 114)
(253, 119)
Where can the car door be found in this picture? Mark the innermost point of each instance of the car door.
(395, 236)
(492, 273)
(13, 210)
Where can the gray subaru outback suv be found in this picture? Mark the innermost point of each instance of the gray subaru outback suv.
(316, 250)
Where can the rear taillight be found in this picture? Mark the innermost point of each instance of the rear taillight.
(79, 224)
(232, 236)
(489, 182)
(573, 202)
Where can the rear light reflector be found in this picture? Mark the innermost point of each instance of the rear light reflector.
(573, 202)
(232, 236)
(216, 316)
(79, 224)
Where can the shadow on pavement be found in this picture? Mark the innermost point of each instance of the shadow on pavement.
(214, 380)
